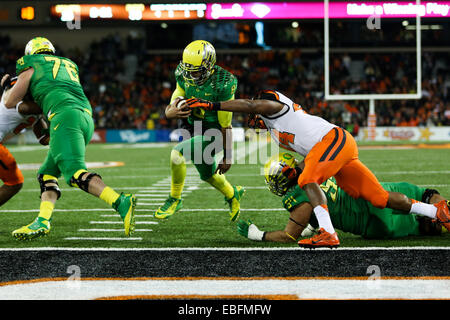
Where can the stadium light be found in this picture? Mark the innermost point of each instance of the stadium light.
(27, 13)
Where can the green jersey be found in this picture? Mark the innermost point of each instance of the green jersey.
(55, 84)
(220, 86)
(358, 216)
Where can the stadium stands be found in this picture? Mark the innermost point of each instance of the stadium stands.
(129, 88)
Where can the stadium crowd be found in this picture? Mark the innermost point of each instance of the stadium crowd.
(130, 88)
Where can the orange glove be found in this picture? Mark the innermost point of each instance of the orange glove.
(199, 103)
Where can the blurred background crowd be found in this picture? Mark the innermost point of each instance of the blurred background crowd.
(129, 87)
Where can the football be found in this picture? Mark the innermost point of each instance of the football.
(180, 103)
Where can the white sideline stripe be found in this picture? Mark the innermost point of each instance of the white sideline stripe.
(214, 249)
(104, 238)
(112, 230)
(120, 222)
(309, 289)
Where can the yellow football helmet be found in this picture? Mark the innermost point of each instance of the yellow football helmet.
(199, 58)
(276, 173)
(39, 45)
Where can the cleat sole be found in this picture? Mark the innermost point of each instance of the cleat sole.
(28, 236)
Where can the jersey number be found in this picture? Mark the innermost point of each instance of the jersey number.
(70, 68)
(284, 138)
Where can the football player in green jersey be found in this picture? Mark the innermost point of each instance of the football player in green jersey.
(198, 76)
(356, 216)
(54, 85)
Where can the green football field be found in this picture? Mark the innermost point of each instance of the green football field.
(83, 221)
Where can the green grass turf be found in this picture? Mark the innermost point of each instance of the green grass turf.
(145, 165)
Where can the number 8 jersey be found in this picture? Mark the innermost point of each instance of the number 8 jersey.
(55, 84)
(293, 129)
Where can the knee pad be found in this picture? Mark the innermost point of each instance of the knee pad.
(426, 197)
(78, 181)
(48, 183)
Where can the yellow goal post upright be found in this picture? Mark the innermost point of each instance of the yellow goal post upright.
(371, 121)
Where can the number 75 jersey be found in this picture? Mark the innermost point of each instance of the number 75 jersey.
(55, 84)
(293, 129)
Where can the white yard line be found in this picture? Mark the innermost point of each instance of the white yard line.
(104, 238)
(137, 215)
(138, 210)
(154, 190)
(120, 222)
(110, 230)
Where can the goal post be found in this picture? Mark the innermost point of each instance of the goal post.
(371, 97)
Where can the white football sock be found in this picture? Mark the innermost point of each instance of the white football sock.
(423, 209)
(323, 217)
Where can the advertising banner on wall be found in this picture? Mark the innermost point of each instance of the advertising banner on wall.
(135, 136)
(249, 10)
(424, 134)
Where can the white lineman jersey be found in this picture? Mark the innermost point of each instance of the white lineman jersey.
(294, 129)
(12, 122)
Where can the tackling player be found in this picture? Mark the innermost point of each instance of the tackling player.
(54, 85)
(198, 76)
(347, 214)
(12, 122)
(329, 151)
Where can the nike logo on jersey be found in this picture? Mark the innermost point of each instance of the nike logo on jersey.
(56, 127)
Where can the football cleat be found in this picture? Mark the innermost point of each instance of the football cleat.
(171, 206)
(323, 239)
(38, 228)
(235, 202)
(443, 213)
(125, 205)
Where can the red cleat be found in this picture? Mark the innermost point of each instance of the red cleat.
(321, 240)
(443, 213)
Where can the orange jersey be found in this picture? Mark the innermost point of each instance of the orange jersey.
(328, 150)
(10, 173)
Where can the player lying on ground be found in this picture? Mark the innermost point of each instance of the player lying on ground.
(54, 85)
(12, 122)
(329, 151)
(198, 76)
(357, 216)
